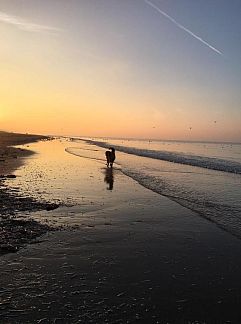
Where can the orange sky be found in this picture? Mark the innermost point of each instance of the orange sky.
(103, 77)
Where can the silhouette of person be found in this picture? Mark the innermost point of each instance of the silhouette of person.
(109, 178)
(110, 157)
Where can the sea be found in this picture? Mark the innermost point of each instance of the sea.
(201, 176)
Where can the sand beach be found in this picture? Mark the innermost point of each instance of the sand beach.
(149, 232)
(110, 250)
(15, 232)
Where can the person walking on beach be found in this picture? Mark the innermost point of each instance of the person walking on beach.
(110, 157)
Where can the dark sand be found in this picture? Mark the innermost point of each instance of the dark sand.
(13, 232)
(136, 258)
(10, 157)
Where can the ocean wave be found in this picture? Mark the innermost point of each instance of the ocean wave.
(176, 157)
(223, 214)
(206, 193)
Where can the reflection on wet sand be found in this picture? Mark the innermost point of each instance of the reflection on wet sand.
(109, 178)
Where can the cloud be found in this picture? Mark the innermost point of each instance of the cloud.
(26, 25)
(183, 28)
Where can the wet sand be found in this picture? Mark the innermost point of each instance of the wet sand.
(10, 157)
(127, 255)
(16, 232)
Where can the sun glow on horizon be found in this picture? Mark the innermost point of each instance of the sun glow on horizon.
(79, 71)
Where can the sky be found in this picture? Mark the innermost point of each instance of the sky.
(164, 69)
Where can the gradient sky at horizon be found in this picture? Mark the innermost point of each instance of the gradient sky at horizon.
(121, 68)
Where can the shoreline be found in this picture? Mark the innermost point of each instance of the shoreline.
(10, 156)
(135, 256)
(14, 232)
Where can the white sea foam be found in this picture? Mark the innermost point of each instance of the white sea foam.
(213, 195)
(205, 203)
(177, 157)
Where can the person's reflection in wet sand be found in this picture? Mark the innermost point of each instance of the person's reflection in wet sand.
(109, 178)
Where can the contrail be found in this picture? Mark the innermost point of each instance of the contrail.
(25, 25)
(182, 27)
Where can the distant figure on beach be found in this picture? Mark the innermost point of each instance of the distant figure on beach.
(110, 157)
